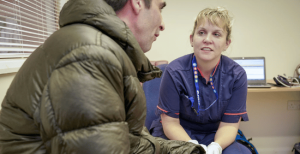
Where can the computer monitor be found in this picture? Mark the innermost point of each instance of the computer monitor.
(255, 68)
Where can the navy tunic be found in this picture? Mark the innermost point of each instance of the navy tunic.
(177, 86)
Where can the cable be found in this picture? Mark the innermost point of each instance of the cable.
(279, 80)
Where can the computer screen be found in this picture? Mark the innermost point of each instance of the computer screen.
(254, 68)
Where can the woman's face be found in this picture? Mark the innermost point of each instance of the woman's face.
(209, 41)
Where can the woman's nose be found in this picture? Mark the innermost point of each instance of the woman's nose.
(207, 39)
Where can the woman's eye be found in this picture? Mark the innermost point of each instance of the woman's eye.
(201, 32)
(217, 34)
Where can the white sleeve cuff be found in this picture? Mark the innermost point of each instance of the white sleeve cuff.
(215, 145)
(193, 141)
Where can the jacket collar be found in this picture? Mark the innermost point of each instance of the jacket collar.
(100, 15)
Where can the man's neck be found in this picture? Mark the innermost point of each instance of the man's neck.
(127, 15)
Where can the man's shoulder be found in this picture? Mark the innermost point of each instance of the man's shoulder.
(79, 35)
(77, 32)
(80, 42)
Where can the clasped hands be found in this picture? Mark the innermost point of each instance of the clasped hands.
(212, 148)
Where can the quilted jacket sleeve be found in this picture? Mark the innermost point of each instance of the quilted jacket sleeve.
(156, 145)
(179, 147)
(82, 108)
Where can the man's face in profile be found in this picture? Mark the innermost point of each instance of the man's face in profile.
(150, 24)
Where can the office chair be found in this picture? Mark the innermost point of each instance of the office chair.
(151, 89)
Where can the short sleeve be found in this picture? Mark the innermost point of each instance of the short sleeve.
(169, 100)
(237, 104)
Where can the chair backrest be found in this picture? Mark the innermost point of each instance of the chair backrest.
(151, 89)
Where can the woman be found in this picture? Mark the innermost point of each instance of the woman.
(203, 94)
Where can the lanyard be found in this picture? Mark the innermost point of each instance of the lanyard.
(196, 79)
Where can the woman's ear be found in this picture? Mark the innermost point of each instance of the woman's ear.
(191, 40)
(227, 44)
(136, 5)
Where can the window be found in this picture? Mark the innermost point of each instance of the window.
(24, 25)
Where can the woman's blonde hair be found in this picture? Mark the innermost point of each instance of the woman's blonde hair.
(214, 16)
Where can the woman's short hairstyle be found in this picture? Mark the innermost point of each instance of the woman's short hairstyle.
(214, 16)
(119, 4)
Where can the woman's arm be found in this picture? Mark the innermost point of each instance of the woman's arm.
(172, 128)
(226, 133)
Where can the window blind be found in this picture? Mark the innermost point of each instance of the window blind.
(25, 25)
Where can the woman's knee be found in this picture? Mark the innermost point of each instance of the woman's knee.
(236, 148)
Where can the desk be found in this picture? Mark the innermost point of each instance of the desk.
(273, 127)
(273, 89)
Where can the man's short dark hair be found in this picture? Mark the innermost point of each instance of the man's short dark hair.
(119, 4)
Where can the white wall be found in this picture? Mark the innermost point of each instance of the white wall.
(62, 2)
(5, 80)
(267, 28)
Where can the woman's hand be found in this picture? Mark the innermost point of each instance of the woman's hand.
(214, 148)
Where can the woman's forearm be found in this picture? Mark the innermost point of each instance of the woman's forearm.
(176, 132)
(226, 133)
(173, 130)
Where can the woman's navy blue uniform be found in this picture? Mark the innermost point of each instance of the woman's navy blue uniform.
(177, 91)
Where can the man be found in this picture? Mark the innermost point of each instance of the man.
(80, 91)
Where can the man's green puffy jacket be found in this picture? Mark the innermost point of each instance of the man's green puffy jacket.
(80, 91)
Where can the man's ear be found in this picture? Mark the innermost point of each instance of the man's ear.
(136, 5)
